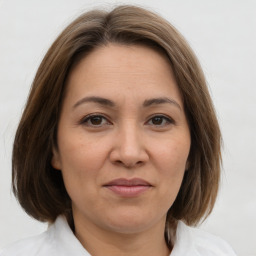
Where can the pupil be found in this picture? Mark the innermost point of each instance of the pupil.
(157, 120)
(96, 120)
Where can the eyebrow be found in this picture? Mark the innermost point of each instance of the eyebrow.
(99, 100)
(109, 103)
(161, 100)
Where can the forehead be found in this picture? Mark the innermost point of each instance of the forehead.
(121, 69)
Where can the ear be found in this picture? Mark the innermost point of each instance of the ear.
(56, 162)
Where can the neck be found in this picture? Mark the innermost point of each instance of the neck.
(98, 241)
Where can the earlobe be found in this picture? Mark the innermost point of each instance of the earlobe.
(55, 162)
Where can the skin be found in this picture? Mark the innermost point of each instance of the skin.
(132, 136)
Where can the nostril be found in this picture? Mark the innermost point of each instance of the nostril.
(139, 163)
(129, 164)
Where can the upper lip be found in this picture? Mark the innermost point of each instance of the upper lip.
(128, 182)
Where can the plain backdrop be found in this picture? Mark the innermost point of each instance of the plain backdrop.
(223, 35)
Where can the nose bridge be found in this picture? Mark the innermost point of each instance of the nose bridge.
(129, 137)
(130, 149)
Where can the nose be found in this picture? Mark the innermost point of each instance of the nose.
(129, 149)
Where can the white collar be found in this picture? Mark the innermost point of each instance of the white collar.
(65, 239)
(63, 235)
(189, 241)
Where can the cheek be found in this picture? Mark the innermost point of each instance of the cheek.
(170, 161)
(82, 155)
(81, 163)
(172, 155)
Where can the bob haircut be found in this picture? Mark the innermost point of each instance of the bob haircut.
(40, 188)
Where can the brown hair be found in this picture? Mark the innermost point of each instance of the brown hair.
(39, 188)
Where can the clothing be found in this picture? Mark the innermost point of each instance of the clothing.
(60, 240)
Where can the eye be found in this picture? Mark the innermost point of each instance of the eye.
(160, 120)
(95, 121)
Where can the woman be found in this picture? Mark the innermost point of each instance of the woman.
(118, 148)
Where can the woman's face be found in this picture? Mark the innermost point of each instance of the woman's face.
(123, 139)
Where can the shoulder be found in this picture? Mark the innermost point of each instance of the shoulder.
(57, 240)
(29, 246)
(195, 242)
(214, 245)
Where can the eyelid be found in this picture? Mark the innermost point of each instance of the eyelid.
(86, 118)
(169, 119)
(83, 121)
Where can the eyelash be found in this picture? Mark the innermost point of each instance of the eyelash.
(168, 120)
(88, 120)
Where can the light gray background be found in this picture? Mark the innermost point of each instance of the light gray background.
(223, 35)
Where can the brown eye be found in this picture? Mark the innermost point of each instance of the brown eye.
(95, 121)
(157, 120)
(160, 121)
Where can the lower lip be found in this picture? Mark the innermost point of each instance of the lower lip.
(128, 191)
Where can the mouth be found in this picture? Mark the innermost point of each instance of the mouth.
(128, 188)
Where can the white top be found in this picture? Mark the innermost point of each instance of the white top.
(60, 240)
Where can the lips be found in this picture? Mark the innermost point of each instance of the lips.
(128, 183)
(128, 188)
